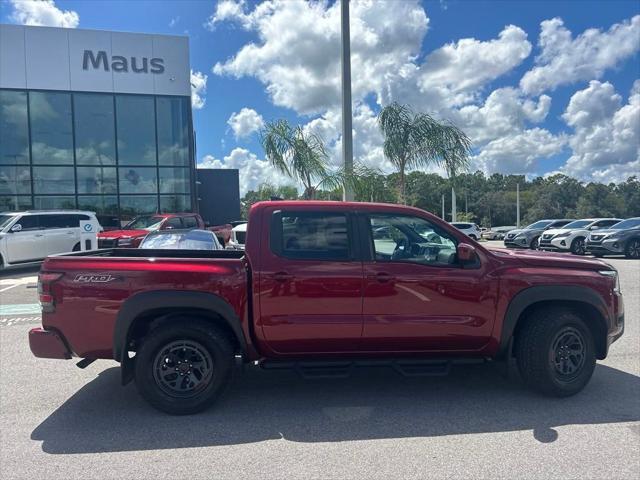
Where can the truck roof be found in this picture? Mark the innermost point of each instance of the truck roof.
(367, 206)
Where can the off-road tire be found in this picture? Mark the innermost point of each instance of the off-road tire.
(536, 355)
(198, 334)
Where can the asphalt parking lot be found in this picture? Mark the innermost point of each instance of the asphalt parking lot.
(57, 421)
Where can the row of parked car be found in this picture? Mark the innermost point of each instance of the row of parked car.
(28, 237)
(595, 236)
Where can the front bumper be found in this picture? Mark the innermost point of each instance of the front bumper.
(516, 242)
(605, 246)
(554, 244)
(48, 344)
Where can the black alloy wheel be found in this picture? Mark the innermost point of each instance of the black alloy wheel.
(567, 354)
(633, 248)
(183, 368)
(578, 247)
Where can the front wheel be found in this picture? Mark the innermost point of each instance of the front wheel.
(534, 243)
(578, 246)
(633, 248)
(183, 366)
(555, 352)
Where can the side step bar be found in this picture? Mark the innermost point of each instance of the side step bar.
(407, 367)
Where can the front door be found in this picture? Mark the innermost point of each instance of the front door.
(29, 243)
(417, 298)
(310, 283)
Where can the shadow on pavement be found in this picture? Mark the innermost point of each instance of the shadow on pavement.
(372, 404)
(19, 272)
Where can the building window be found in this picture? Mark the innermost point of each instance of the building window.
(136, 130)
(53, 180)
(15, 180)
(94, 129)
(15, 203)
(97, 180)
(175, 203)
(105, 206)
(14, 128)
(173, 131)
(134, 205)
(138, 180)
(54, 202)
(51, 129)
(174, 180)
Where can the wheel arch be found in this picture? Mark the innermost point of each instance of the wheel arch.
(581, 300)
(143, 310)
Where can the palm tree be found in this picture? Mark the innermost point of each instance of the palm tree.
(413, 140)
(298, 154)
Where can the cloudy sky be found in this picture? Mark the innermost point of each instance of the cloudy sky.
(539, 86)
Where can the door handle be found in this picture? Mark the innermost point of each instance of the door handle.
(382, 277)
(282, 276)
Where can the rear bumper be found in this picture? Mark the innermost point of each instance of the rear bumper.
(48, 344)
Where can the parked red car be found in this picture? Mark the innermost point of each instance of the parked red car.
(324, 287)
(134, 232)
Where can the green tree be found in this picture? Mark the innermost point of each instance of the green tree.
(298, 154)
(266, 191)
(413, 140)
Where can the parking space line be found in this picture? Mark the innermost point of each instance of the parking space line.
(20, 309)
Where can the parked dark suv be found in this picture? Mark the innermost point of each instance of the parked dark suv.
(621, 238)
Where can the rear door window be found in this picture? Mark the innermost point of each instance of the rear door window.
(311, 235)
(189, 222)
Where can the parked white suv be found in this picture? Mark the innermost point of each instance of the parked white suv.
(28, 237)
(572, 237)
(470, 229)
(238, 236)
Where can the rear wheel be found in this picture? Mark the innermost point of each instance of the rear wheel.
(633, 248)
(534, 243)
(578, 246)
(183, 366)
(555, 352)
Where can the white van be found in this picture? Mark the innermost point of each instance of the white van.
(28, 237)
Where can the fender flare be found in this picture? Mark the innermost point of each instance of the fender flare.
(144, 302)
(532, 295)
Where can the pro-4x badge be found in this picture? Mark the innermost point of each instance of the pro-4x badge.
(87, 278)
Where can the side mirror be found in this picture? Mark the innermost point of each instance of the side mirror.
(595, 227)
(16, 228)
(466, 253)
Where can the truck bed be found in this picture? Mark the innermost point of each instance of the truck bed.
(155, 253)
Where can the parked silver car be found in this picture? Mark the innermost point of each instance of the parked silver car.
(529, 236)
(621, 238)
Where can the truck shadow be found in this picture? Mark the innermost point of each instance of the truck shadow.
(371, 404)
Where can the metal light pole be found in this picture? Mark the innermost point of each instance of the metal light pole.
(517, 205)
(347, 137)
(454, 212)
(443, 207)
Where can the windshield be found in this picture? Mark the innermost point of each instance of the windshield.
(144, 223)
(578, 224)
(630, 223)
(193, 240)
(540, 224)
(4, 220)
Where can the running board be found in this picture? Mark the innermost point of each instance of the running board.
(407, 367)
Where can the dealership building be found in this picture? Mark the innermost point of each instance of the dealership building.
(96, 120)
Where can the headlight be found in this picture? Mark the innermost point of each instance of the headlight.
(613, 274)
(562, 235)
(124, 242)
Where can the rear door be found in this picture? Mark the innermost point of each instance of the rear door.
(310, 283)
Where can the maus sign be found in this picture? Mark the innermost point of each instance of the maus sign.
(119, 63)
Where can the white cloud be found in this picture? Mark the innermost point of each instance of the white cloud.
(520, 152)
(43, 13)
(227, 10)
(252, 170)
(245, 122)
(606, 142)
(297, 56)
(565, 60)
(198, 89)
(173, 22)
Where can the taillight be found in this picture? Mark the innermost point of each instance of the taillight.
(45, 291)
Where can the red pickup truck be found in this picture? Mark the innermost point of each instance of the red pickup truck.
(323, 287)
(132, 234)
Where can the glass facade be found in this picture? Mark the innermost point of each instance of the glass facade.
(118, 155)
